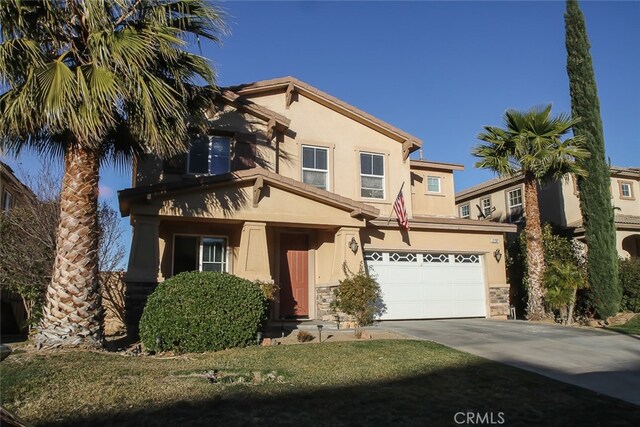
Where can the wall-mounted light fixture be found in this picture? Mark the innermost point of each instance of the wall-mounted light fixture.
(353, 245)
(497, 255)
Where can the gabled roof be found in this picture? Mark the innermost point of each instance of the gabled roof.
(11, 177)
(625, 222)
(163, 190)
(426, 164)
(631, 172)
(487, 186)
(254, 109)
(495, 183)
(292, 83)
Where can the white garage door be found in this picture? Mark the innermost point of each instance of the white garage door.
(429, 285)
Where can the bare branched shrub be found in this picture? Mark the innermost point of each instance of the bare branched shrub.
(28, 242)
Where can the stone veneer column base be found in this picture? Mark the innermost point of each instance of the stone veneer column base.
(324, 298)
(136, 296)
(499, 302)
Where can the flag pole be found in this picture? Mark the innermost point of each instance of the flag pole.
(392, 210)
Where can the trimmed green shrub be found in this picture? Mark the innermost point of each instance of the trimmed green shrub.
(630, 284)
(359, 295)
(202, 311)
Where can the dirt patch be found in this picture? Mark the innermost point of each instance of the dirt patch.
(620, 319)
(333, 336)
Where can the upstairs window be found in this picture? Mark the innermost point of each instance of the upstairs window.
(464, 211)
(485, 205)
(210, 155)
(371, 176)
(433, 184)
(626, 191)
(315, 166)
(514, 197)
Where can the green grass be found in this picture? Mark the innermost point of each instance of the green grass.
(631, 327)
(378, 383)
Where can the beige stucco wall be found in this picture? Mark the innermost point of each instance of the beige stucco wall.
(569, 209)
(314, 124)
(429, 203)
(236, 203)
(498, 200)
(628, 206)
(623, 234)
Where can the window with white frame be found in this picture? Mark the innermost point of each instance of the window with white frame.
(315, 166)
(514, 197)
(210, 155)
(485, 205)
(433, 184)
(626, 191)
(199, 253)
(464, 211)
(372, 175)
(7, 201)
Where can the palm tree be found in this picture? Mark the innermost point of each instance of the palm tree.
(531, 143)
(95, 81)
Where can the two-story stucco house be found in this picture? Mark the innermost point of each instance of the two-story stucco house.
(288, 185)
(501, 200)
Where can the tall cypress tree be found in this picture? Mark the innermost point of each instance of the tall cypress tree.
(595, 193)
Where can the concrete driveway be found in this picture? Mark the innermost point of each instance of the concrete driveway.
(602, 361)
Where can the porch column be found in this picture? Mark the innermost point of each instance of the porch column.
(342, 252)
(143, 272)
(253, 259)
(144, 258)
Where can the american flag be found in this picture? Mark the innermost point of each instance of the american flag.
(401, 211)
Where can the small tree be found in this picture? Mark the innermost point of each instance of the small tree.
(561, 281)
(359, 295)
(630, 284)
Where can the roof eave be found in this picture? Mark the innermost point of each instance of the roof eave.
(330, 101)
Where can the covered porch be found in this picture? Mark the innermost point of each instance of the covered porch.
(277, 231)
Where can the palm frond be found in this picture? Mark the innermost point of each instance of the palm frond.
(532, 142)
(86, 69)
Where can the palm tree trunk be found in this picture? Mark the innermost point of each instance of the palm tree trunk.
(535, 251)
(73, 310)
(572, 306)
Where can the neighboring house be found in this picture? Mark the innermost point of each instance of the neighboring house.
(12, 191)
(502, 200)
(12, 194)
(290, 184)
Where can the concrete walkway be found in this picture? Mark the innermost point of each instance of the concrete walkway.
(602, 361)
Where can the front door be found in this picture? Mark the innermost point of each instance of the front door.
(294, 275)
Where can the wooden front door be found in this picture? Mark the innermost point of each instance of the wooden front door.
(294, 275)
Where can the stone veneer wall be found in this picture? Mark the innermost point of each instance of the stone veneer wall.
(499, 302)
(324, 297)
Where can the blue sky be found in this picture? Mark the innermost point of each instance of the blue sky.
(438, 70)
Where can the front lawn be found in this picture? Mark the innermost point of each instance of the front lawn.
(378, 383)
(631, 327)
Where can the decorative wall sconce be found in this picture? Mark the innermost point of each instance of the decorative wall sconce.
(353, 245)
(497, 255)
